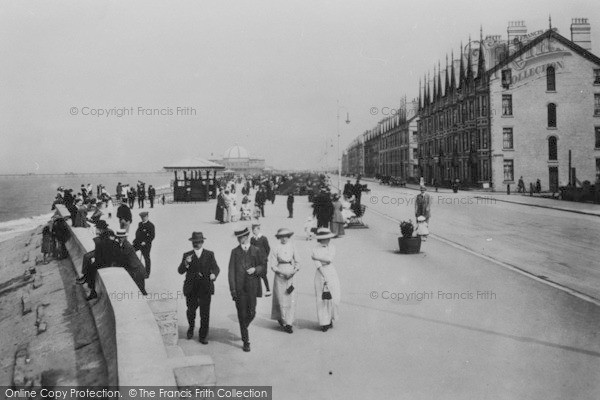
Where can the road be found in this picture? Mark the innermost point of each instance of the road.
(445, 323)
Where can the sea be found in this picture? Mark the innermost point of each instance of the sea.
(26, 200)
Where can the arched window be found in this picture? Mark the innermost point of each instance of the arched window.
(551, 115)
(550, 79)
(552, 148)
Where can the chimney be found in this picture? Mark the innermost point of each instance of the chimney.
(515, 30)
(581, 33)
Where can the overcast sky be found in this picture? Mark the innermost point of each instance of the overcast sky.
(264, 74)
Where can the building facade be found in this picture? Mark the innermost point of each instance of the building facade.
(503, 109)
(545, 103)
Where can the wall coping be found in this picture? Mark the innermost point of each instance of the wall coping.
(141, 354)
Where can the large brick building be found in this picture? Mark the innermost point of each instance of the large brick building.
(528, 106)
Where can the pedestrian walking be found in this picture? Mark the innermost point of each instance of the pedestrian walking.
(144, 235)
(260, 199)
(284, 263)
(327, 283)
(201, 270)
(337, 221)
(423, 204)
(261, 241)
(246, 266)
(290, 205)
(151, 195)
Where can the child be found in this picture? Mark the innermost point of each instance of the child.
(422, 228)
(257, 212)
(309, 228)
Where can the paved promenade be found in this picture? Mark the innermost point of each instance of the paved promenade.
(440, 324)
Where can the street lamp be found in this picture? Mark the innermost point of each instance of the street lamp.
(338, 142)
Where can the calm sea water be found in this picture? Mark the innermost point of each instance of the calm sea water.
(25, 200)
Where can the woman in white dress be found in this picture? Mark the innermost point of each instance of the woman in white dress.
(326, 280)
(284, 262)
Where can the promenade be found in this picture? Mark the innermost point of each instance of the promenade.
(441, 324)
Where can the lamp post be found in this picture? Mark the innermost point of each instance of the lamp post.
(338, 143)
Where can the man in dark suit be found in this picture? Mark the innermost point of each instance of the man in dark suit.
(246, 266)
(124, 216)
(144, 235)
(261, 241)
(201, 271)
(151, 195)
(105, 253)
(130, 261)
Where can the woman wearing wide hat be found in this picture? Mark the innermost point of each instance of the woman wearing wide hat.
(327, 283)
(285, 265)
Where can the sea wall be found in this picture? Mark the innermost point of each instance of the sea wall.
(137, 351)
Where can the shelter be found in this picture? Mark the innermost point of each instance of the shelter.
(193, 181)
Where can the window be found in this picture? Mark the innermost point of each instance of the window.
(506, 78)
(508, 170)
(552, 150)
(550, 79)
(597, 137)
(484, 138)
(507, 138)
(507, 104)
(597, 77)
(551, 115)
(484, 106)
(597, 105)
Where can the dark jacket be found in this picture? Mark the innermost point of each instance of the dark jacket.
(123, 212)
(129, 260)
(262, 243)
(106, 251)
(144, 233)
(240, 282)
(197, 273)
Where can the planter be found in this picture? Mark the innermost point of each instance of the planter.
(410, 245)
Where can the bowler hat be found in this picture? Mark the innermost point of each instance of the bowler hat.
(283, 232)
(242, 233)
(197, 237)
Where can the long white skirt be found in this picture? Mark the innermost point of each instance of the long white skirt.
(284, 304)
(327, 310)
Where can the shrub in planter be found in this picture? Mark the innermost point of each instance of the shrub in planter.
(407, 243)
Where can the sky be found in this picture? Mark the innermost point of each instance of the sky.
(271, 76)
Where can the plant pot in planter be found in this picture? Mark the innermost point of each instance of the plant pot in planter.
(409, 245)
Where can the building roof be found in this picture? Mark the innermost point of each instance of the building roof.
(193, 163)
(236, 152)
(550, 33)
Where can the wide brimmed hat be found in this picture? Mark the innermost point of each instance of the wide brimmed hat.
(242, 233)
(324, 233)
(121, 233)
(283, 232)
(197, 237)
(421, 218)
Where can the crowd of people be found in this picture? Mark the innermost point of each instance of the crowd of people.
(112, 248)
(249, 260)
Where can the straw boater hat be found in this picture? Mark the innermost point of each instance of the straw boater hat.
(324, 233)
(283, 232)
(242, 233)
(121, 233)
(197, 237)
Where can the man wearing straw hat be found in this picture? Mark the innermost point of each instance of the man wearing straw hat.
(201, 271)
(246, 266)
